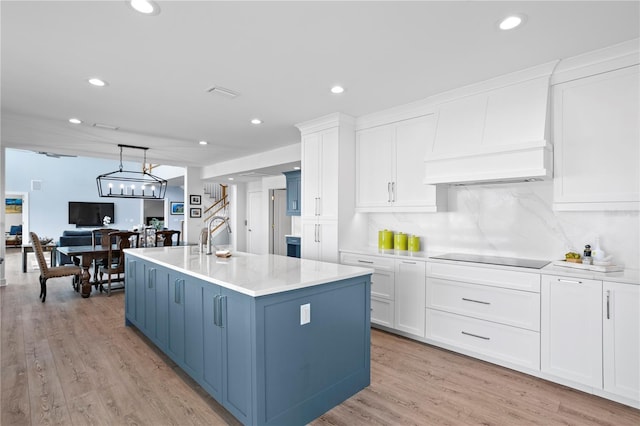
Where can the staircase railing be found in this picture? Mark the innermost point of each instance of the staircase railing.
(219, 207)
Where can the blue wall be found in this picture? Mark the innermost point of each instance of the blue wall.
(69, 179)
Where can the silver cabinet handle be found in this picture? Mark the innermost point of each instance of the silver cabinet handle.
(177, 290)
(569, 281)
(152, 271)
(475, 335)
(366, 261)
(476, 301)
(222, 311)
(608, 304)
(318, 232)
(295, 204)
(215, 309)
(393, 192)
(317, 206)
(408, 263)
(388, 192)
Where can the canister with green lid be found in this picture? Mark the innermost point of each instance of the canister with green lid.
(385, 239)
(400, 241)
(414, 243)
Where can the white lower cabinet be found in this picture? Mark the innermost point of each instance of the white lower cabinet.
(621, 339)
(571, 329)
(512, 345)
(579, 332)
(319, 240)
(382, 285)
(382, 311)
(491, 312)
(410, 289)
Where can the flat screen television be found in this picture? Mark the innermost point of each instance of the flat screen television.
(90, 214)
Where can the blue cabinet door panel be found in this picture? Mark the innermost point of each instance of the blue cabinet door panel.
(150, 301)
(130, 294)
(294, 184)
(140, 296)
(212, 369)
(176, 318)
(193, 357)
(162, 308)
(237, 314)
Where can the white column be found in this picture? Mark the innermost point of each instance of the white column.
(192, 186)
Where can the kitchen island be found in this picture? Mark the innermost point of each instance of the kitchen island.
(276, 340)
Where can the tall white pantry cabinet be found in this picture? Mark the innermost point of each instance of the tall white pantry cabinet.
(328, 184)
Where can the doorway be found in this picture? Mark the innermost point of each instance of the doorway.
(254, 227)
(279, 221)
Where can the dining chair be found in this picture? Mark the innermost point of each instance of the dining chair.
(166, 237)
(115, 257)
(100, 237)
(47, 271)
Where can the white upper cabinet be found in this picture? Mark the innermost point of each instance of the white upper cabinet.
(597, 142)
(374, 166)
(390, 167)
(320, 174)
(328, 185)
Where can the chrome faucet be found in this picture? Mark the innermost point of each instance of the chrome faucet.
(210, 227)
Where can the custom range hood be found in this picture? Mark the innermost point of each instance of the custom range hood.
(492, 132)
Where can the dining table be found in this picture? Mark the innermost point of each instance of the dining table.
(86, 255)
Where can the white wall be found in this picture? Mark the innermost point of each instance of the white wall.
(514, 220)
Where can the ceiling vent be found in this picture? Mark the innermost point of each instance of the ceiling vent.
(228, 93)
(105, 126)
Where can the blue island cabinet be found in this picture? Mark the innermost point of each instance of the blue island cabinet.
(254, 355)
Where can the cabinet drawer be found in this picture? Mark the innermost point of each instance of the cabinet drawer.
(382, 312)
(527, 281)
(509, 344)
(379, 263)
(505, 306)
(382, 284)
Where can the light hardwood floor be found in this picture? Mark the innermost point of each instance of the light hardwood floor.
(71, 361)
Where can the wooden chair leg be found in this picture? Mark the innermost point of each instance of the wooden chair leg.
(41, 287)
(44, 289)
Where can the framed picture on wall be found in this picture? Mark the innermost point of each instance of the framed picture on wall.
(177, 207)
(195, 212)
(195, 200)
(13, 205)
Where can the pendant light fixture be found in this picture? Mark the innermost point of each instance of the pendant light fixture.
(129, 184)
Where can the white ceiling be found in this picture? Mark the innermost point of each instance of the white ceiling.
(281, 57)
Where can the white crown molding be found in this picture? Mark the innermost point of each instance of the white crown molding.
(610, 58)
(325, 122)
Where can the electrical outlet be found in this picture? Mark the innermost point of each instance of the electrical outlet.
(305, 314)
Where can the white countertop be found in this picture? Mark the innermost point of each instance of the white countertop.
(253, 275)
(629, 276)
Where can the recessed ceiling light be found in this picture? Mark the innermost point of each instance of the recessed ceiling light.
(229, 178)
(256, 121)
(296, 168)
(75, 121)
(146, 7)
(203, 142)
(511, 22)
(97, 82)
(337, 89)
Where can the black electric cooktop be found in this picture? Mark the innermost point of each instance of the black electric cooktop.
(494, 260)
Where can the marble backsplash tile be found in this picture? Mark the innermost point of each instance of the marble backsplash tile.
(515, 220)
